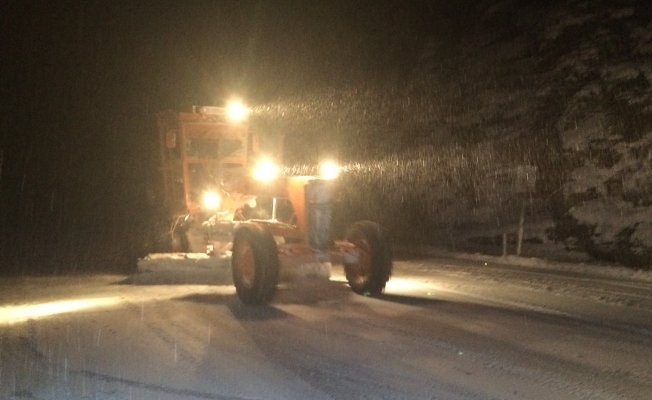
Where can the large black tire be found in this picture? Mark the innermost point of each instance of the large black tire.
(254, 264)
(369, 276)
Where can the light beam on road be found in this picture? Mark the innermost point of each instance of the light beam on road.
(16, 314)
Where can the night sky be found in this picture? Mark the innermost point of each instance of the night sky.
(82, 83)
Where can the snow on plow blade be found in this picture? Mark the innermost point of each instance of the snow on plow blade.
(183, 268)
(162, 262)
(200, 268)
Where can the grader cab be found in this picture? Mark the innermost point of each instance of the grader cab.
(225, 197)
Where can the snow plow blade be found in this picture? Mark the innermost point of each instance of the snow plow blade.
(200, 268)
(163, 262)
(312, 270)
(183, 268)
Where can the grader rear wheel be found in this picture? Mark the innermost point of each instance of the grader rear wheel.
(254, 264)
(370, 274)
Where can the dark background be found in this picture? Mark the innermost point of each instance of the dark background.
(82, 82)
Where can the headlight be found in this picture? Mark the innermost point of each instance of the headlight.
(266, 170)
(211, 200)
(236, 111)
(329, 170)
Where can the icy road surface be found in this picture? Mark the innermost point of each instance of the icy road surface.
(445, 329)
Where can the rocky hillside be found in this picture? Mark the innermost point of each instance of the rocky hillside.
(573, 86)
(559, 92)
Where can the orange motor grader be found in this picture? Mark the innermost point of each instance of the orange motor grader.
(224, 196)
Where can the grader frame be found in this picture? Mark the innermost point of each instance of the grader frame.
(204, 153)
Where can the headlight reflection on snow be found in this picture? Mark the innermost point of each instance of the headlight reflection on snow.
(414, 286)
(16, 314)
(407, 285)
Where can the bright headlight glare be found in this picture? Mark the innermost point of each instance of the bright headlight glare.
(236, 111)
(266, 170)
(211, 200)
(329, 170)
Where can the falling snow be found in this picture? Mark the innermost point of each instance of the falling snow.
(432, 116)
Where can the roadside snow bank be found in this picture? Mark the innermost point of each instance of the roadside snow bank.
(602, 269)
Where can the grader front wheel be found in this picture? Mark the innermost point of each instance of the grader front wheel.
(254, 264)
(370, 274)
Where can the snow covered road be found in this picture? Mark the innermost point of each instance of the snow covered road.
(617, 301)
(446, 328)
